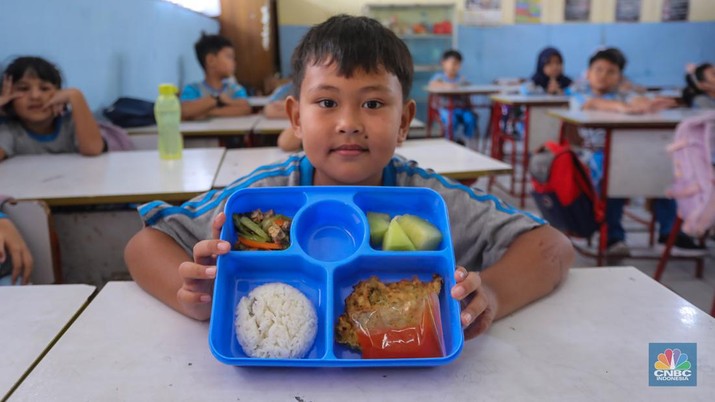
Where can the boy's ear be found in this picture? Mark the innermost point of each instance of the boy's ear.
(293, 111)
(408, 113)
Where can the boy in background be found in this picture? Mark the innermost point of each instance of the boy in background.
(351, 109)
(461, 113)
(276, 109)
(604, 77)
(218, 94)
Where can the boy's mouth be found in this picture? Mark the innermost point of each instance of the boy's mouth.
(349, 150)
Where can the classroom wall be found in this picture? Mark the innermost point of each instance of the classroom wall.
(107, 48)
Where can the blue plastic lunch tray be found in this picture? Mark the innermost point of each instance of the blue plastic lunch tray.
(330, 252)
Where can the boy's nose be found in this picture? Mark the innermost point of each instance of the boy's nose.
(35, 93)
(349, 123)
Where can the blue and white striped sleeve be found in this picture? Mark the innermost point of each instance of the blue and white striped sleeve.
(190, 93)
(238, 92)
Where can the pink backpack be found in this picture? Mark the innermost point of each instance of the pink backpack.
(694, 180)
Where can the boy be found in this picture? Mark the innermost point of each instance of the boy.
(218, 94)
(604, 76)
(461, 113)
(276, 109)
(351, 109)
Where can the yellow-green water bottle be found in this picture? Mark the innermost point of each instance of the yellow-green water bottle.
(167, 111)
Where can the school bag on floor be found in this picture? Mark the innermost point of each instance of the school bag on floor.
(563, 190)
(693, 179)
(131, 112)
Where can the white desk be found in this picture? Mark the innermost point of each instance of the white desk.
(472, 89)
(268, 126)
(258, 101)
(31, 317)
(214, 127)
(587, 341)
(443, 156)
(113, 177)
(539, 128)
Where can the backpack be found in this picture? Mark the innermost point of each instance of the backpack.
(693, 179)
(117, 138)
(563, 191)
(131, 112)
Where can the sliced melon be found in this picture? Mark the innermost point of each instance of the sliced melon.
(396, 239)
(378, 226)
(424, 235)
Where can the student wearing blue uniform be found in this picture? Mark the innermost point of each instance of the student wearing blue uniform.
(549, 76)
(218, 94)
(41, 116)
(276, 109)
(352, 109)
(450, 77)
(604, 77)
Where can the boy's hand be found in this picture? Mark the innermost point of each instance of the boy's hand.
(6, 95)
(661, 102)
(479, 305)
(198, 276)
(61, 99)
(11, 240)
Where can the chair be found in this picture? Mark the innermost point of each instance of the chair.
(34, 222)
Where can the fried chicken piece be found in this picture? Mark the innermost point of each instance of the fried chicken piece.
(372, 293)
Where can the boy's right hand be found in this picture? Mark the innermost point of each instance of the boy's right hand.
(6, 95)
(11, 243)
(198, 276)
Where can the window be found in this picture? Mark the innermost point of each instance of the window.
(212, 8)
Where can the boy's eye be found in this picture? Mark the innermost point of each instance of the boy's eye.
(372, 104)
(327, 103)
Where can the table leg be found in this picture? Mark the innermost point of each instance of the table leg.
(602, 243)
(524, 159)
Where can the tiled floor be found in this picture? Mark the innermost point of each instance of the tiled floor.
(679, 275)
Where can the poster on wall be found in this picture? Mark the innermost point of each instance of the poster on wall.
(675, 10)
(577, 10)
(628, 10)
(482, 12)
(528, 11)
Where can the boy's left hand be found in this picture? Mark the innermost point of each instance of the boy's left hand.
(60, 100)
(479, 305)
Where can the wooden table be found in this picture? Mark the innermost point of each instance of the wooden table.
(538, 128)
(586, 341)
(268, 126)
(453, 92)
(443, 156)
(635, 160)
(31, 319)
(113, 177)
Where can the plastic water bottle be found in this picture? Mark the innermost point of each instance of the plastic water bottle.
(167, 112)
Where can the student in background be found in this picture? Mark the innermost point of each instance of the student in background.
(276, 109)
(699, 91)
(41, 116)
(604, 76)
(218, 94)
(549, 76)
(15, 257)
(450, 77)
(352, 108)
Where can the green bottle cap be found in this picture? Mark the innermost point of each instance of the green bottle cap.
(168, 89)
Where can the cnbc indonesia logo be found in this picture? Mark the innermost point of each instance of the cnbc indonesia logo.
(673, 367)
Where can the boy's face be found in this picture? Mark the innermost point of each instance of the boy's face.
(223, 62)
(554, 67)
(35, 93)
(451, 66)
(603, 76)
(709, 77)
(349, 126)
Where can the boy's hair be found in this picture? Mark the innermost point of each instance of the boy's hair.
(353, 43)
(692, 88)
(611, 55)
(451, 53)
(33, 67)
(209, 44)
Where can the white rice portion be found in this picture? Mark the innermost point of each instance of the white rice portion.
(276, 320)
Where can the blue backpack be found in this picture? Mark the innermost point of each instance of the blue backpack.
(131, 112)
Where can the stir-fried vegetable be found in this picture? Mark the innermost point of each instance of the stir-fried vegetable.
(259, 230)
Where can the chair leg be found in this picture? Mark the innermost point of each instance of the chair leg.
(712, 309)
(668, 246)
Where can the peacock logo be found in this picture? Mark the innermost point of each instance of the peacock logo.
(672, 359)
(673, 364)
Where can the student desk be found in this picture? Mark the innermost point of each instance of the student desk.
(268, 126)
(635, 161)
(113, 177)
(586, 341)
(443, 156)
(201, 131)
(258, 101)
(451, 93)
(31, 319)
(538, 128)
